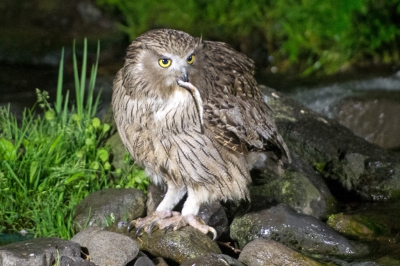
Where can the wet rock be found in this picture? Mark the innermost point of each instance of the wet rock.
(142, 260)
(375, 221)
(107, 248)
(369, 107)
(300, 232)
(155, 195)
(159, 261)
(213, 260)
(388, 261)
(215, 216)
(67, 261)
(350, 225)
(299, 187)
(113, 204)
(38, 252)
(351, 166)
(372, 116)
(263, 252)
(183, 244)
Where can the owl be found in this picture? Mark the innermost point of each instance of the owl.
(190, 113)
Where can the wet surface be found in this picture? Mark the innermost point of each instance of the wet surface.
(369, 107)
(6, 239)
(322, 99)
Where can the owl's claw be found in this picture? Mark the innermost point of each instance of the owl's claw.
(131, 225)
(151, 226)
(137, 232)
(167, 228)
(168, 221)
(200, 225)
(214, 232)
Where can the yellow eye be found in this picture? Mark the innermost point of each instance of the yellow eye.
(190, 59)
(164, 62)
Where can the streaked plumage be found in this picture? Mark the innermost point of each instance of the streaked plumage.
(160, 124)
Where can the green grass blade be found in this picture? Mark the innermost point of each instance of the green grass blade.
(83, 79)
(89, 104)
(15, 177)
(59, 98)
(76, 77)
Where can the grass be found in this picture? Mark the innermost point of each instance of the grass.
(309, 35)
(50, 162)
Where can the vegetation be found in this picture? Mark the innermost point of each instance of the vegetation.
(50, 162)
(309, 34)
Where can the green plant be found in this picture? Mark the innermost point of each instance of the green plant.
(313, 35)
(49, 162)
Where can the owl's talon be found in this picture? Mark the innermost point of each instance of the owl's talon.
(167, 228)
(213, 231)
(131, 225)
(151, 226)
(137, 232)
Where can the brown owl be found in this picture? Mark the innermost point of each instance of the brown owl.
(190, 112)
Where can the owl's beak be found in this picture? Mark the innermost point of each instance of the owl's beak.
(184, 75)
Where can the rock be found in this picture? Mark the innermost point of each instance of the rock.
(143, 260)
(155, 195)
(185, 243)
(368, 107)
(213, 260)
(159, 261)
(388, 261)
(300, 232)
(122, 204)
(350, 225)
(67, 261)
(351, 166)
(38, 252)
(379, 221)
(263, 252)
(372, 116)
(299, 187)
(215, 216)
(107, 248)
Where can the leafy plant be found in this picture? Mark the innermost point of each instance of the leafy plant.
(312, 35)
(49, 162)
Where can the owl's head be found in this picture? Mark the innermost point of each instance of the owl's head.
(164, 56)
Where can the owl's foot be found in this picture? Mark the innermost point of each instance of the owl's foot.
(170, 220)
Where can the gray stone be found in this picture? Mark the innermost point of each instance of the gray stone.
(155, 195)
(183, 244)
(213, 260)
(123, 204)
(38, 252)
(67, 261)
(143, 260)
(107, 248)
(263, 252)
(160, 261)
(299, 187)
(300, 232)
(350, 165)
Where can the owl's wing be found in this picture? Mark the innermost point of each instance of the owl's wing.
(234, 109)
